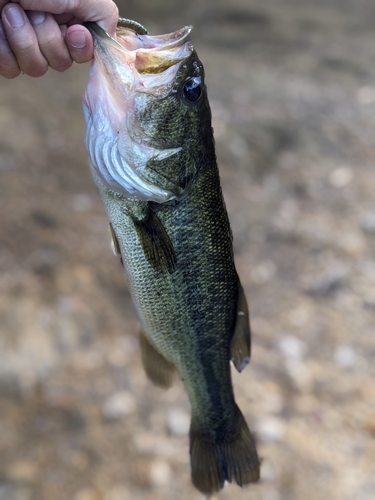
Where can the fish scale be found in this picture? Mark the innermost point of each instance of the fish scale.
(178, 253)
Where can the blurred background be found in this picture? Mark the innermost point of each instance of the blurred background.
(292, 89)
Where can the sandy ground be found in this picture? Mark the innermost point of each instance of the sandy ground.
(292, 88)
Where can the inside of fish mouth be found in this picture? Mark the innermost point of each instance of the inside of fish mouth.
(154, 43)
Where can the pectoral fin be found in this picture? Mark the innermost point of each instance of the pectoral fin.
(240, 348)
(157, 246)
(159, 370)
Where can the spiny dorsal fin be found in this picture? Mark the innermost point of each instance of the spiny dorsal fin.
(155, 241)
(159, 370)
(240, 347)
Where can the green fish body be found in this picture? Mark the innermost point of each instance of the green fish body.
(160, 184)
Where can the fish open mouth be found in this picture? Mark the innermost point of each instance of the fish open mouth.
(136, 58)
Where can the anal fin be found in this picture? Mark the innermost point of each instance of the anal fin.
(156, 244)
(241, 342)
(158, 369)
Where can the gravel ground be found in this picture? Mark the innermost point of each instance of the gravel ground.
(292, 89)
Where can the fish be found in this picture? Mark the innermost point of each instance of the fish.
(152, 156)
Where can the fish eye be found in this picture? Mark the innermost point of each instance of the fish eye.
(192, 88)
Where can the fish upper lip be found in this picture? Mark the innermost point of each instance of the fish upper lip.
(172, 40)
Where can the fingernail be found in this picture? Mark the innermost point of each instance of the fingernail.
(77, 39)
(2, 31)
(36, 17)
(14, 16)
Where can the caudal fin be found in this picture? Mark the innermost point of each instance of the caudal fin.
(222, 456)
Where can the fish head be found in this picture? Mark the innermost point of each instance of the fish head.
(146, 113)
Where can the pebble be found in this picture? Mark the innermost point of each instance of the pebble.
(327, 282)
(270, 429)
(353, 243)
(14, 493)
(269, 471)
(264, 272)
(366, 95)
(370, 425)
(120, 404)
(82, 203)
(22, 471)
(345, 356)
(341, 177)
(367, 222)
(160, 473)
(291, 348)
(299, 316)
(118, 492)
(87, 494)
(178, 422)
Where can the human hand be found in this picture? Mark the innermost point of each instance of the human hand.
(36, 34)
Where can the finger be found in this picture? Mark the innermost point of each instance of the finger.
(63, 18)
(103, 12)
(23, 41)
(50, 40)
(79, 42)
(8, 63)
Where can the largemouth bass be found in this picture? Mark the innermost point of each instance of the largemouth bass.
(152, 156)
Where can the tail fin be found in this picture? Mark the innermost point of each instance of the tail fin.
(217, 457)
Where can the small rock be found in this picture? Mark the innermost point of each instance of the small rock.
(160, 473)
(367, 222)
(341, 177)
(366, 95)
(299, 316)
(270, 493)
(269, 471)
(264, 272)
(87, 494)
(119, 405)
(370, 425)
(328, 282)
(82, 203)
(291, 348)
(352, 242)
(118, 492)
(22, 471)
(300, 374)
(178, 422)
(270, 429)
(14, 493)
(345, 356)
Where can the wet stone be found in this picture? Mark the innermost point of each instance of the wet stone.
(178, 422)
(120, 404)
